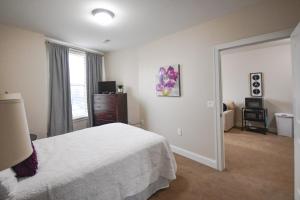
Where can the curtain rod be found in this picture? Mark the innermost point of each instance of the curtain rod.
(74, 46)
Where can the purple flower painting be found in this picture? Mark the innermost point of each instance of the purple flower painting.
(168, 81)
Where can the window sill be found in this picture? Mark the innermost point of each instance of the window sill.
(80, 119)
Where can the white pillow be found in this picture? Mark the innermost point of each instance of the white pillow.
(8, 183)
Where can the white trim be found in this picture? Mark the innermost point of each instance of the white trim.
(103, 69)
(256, 39)
(80, 119)
(77, 51)
(219, 144)
(295, 39)
(71, 45)
(193, 156)
(296, 31)
(219, 136)
(297, 197)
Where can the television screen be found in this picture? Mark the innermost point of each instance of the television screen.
(105, 87)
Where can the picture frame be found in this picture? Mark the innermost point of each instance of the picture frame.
(256, 84)
(168, 81)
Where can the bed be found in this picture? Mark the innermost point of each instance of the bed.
(109, 162)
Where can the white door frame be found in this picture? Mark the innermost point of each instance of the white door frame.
(218, 97)
(295, 41)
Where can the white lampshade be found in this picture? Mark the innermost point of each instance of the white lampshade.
(15, 144)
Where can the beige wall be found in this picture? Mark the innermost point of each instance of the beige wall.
(274, 61)
(122, 67)
(193, 49)
(23, 68)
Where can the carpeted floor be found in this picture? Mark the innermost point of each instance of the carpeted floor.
(258, 167)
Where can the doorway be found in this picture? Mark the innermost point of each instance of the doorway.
(219, 129)
(254, 148)
(219, 136)
(257, 87)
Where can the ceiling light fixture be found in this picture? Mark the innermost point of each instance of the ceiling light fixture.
(104, 16)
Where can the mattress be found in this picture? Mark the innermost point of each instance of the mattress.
(109, 162)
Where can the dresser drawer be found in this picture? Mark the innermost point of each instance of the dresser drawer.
(105, 116)
(104, 103)
(104, 107)
(104, 99)
(109, 108)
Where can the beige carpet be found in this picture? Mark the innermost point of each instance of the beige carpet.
(259, 167)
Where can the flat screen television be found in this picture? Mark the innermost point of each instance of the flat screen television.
(106, 87)
(254, 102)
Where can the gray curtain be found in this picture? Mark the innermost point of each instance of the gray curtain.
(93, 74)
(60, 111)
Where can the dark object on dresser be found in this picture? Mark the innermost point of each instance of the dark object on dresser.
(109, 108)
(107, 87)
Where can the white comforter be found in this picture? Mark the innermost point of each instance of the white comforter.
(110, 162)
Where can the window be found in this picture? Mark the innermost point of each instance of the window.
(77, 66)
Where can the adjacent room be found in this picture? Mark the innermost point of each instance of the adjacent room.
(257, 112)
(271, 63)
(160, 99)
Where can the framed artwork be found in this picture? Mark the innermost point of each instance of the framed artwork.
(168, 81)
(256, 84)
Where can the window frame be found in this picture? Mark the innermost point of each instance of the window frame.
(82, 53)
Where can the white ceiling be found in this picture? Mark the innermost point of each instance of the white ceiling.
(136, 21)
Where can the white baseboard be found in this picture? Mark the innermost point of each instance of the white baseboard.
(193, 156)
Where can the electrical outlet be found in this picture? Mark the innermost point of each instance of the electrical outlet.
(142, 122)
(179, 131)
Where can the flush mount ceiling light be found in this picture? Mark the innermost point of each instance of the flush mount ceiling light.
(103, 16)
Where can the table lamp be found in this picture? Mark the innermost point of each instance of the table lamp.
(15, 144)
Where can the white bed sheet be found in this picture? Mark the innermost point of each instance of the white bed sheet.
(110, 162)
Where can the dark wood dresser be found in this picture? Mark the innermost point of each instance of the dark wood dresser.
(109, 108)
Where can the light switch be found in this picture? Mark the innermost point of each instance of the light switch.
(179, 131)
